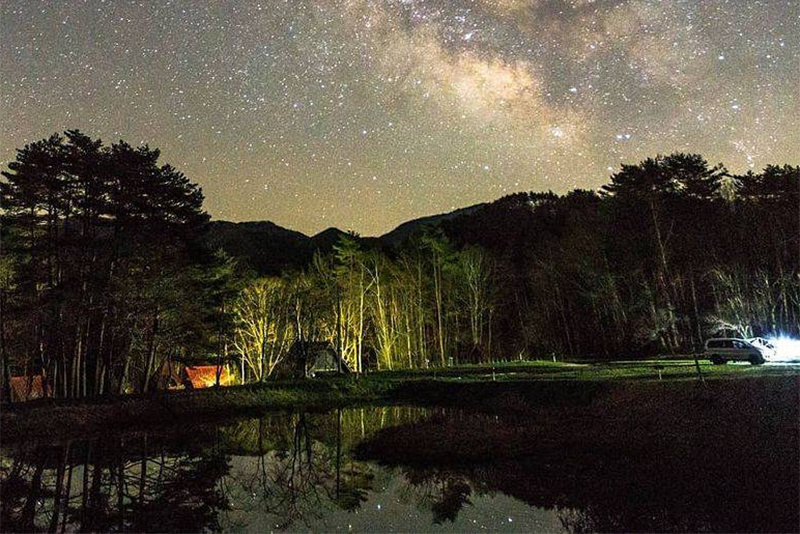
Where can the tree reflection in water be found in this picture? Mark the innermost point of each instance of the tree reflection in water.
(288, 467)
(299, 468)
(403, 468)
(598, 477)
(294, 476)
(443, 494)
(111, 484)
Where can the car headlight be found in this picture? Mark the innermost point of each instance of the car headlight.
(786, 348)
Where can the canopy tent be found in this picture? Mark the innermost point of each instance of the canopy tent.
(25, 388)
(309, 358)
(205, 376)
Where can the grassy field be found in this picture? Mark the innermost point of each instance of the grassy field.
(657, 369)
(499, 387)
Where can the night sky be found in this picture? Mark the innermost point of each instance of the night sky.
(364, 114)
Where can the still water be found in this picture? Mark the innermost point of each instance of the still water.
(384, 469)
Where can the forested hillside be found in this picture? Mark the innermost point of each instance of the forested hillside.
(671, 251)
(109, 269)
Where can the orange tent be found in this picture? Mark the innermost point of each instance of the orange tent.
(25, 388)
(205, 376)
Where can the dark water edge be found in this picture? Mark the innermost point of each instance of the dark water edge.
(652, 459)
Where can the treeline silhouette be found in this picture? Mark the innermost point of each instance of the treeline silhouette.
(671, 251)
(100, 275)
(106, 274)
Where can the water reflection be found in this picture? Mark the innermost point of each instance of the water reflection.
(689, 475)
(134, 483)
(380, 469)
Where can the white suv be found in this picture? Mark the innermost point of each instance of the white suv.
(724, 349)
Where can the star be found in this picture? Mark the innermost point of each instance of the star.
(287, 114)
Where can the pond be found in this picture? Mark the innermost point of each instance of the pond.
(395, 468)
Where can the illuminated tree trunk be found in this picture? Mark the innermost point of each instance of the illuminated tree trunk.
(339, 332)
(437, 291)
(361, 292)
(382, 315)
(421, 317)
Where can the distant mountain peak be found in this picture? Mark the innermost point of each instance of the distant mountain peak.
(331, 231)
(409, 228)
(271, 249)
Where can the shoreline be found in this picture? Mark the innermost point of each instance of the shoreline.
(49, 419)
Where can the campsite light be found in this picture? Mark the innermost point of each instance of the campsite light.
(786, 348)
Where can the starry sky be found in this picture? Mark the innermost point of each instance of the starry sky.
(363, 114)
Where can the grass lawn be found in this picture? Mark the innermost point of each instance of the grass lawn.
(656, 369)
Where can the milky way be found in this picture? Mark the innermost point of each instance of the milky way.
(364, 114)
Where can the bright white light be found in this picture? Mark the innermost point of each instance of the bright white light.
(786, 348)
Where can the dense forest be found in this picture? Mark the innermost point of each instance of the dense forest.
(109, 268)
